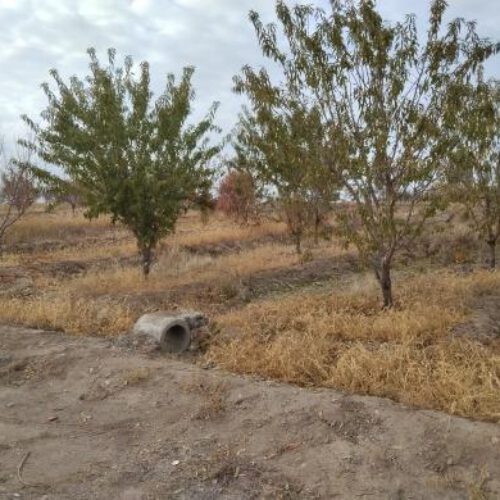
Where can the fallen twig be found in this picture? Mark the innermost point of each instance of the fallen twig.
(20, 471)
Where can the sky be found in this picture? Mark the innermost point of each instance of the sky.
(215, 36)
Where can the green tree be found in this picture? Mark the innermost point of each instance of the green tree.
(474, 176)
(283, 139)
(381, 92)
(134, 158)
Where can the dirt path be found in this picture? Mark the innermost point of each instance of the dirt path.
(99, 421)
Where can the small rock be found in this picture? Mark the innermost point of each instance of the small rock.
(9, 405)
(176, 462)
(84, 417)
(54, 418)
(495, 440)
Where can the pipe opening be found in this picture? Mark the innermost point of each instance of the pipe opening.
(176, 339)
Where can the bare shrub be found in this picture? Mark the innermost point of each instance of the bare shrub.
(237, 196)
(17, 193)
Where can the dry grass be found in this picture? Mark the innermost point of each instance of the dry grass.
(60, 311)
(214, 404)
(136, 376)
(192, 232)
(477, 488)
(76, 238)
(339, 340)
(58, 225)
(86, 304)
(178, 267)
(345, 341)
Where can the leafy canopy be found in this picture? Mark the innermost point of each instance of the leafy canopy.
(131, 156)
(381, 95)
(474, 165)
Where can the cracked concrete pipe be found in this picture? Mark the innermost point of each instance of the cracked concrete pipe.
(171, 331)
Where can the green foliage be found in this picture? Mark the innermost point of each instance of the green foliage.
(473, 128)
(281, 139)
(133, 157)
(381, 96)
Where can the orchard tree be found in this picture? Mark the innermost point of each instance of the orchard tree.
(474, 176)
(58, 191)
(237, 196)
(18, 190)
(283, 137)
(133, 157)
(381, 91)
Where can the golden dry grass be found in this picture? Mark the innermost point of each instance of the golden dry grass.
(178, 267)
(60, 311)
(341, 340)
(90, 252)
(83, 239)
(84, 304)
(345, 341)
(38, 225)
(224, 231)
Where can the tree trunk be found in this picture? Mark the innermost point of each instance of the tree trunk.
(147, 259)
(317, 221)
(383, 275)
(492, 246)
(298, 241)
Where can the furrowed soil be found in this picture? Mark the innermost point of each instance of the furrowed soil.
(83, 417)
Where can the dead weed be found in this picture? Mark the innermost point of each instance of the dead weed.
(345, 341)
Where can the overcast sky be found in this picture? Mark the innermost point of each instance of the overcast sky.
(213, 35)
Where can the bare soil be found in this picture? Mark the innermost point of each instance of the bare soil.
(87, 418)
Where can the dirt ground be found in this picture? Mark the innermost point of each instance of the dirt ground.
(85, 418)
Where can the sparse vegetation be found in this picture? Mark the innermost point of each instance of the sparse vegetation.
(363, 146)
(335, 336)
(343, 340)
(373, 98)
(18, 192)
(136, 376)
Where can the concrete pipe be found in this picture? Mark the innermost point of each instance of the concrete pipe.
(171, 331)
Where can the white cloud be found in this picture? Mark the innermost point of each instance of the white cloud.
(213, 35)
(8, 4)
(140, 6)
